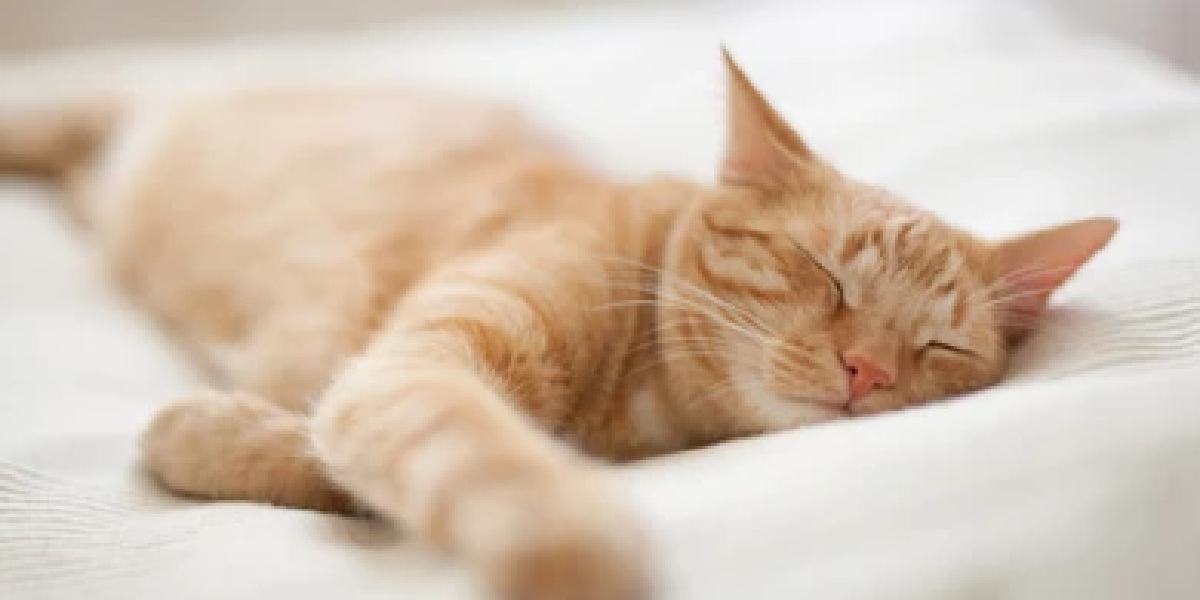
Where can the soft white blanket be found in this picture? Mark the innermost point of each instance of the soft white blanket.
(1077, 478)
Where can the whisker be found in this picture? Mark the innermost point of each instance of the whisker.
(703, 293)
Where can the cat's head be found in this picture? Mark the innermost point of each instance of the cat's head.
(796, 294)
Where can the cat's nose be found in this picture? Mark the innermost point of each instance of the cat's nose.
(866, 374)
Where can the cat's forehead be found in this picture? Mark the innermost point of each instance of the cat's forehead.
(897, 263)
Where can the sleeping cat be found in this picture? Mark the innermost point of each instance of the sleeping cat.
(425, 307)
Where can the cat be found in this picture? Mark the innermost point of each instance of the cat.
(427, 307)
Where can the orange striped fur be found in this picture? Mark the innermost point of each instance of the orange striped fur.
(421, 305)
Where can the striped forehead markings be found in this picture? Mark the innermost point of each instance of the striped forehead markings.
(889, 258)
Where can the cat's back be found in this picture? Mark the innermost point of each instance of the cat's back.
(215, 209)
(281, 152)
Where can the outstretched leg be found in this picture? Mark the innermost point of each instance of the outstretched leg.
(434, 425)
(442, 424)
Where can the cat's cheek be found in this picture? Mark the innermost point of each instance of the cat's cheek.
(803, 367)
(923, 389)
(943, 377)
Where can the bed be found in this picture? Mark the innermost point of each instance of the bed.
(1079, 477)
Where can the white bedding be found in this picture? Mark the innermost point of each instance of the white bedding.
(1077, 478)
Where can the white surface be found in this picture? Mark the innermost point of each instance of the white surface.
(1167, 27)
(1077, 478)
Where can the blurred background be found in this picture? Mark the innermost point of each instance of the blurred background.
(1165, 27)
(893, 90)
(1079, 480)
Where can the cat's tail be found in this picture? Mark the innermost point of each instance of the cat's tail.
(55, 143)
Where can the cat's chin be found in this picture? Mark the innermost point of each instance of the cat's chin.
(796, 413)
(819, 412)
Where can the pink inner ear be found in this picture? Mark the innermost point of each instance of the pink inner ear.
(761, 148)
(754, 162)
(1034, 265)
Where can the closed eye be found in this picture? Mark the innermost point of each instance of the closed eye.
(943, 346)
(836, 284)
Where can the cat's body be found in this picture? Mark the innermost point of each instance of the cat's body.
(420, 299)
(298, 222)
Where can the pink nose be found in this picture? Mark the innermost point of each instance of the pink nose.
(865, 375)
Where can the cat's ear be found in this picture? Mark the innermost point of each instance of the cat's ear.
(761, 149)
(1032, 266)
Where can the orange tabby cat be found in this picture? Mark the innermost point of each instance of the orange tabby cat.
(419, 305)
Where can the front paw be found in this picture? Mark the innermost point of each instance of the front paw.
(572, 565)
(570, 543)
